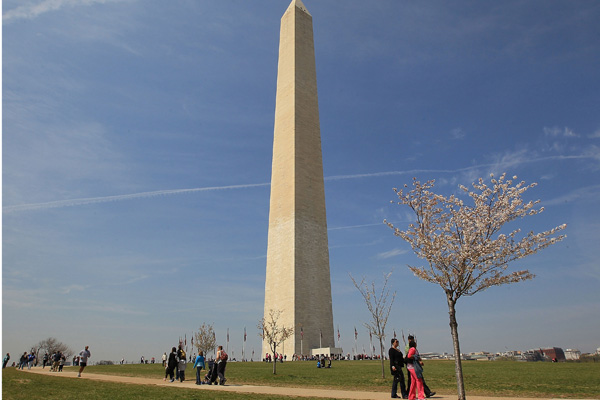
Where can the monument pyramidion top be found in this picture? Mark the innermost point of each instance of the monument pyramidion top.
(300, 5)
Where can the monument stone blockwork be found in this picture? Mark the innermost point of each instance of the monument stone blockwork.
(298, 280)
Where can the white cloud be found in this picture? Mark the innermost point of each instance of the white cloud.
(595, 135)
(29, 11)
(70, 288)
(555, 131)
(510, 159)
(589, 193)
(391, 253)
(353, 226)
(457, 134)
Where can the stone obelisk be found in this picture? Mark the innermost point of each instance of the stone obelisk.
(298, 281)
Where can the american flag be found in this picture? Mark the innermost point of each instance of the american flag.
(355, 333)
(244, 334)
(338, 333)
(301, 333)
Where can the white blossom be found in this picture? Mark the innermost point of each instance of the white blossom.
(463, 244)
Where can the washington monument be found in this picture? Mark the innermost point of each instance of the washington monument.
(298, 281)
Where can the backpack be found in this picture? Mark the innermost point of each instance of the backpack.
(224, 355)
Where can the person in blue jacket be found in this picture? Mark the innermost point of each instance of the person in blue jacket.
(199, 364)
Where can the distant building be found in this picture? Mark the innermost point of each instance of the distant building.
(572, 354)
(436, 356)
(532, 355)
(510, 353)
(480, 356)
(553, 354)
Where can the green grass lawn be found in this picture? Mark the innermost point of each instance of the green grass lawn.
(499, 378)
(17, 385)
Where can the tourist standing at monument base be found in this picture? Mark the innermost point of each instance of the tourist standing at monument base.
(396, 363)
(83, 359)
(5, 361)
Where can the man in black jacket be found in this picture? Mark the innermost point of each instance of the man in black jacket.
(396, 364)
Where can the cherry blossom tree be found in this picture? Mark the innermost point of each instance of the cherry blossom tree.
(463, 244)
(206, 340)
(379, 305)
(271, 331)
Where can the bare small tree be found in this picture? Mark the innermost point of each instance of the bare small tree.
(273, 333)
(377, 303)
(52, 345)
(205, 339)
(463, 245)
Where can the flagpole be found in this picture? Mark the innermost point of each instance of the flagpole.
(244, 345)
(214, 348)
(301, 341)
(355, 344)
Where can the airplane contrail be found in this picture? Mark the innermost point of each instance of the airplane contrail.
(105, 199)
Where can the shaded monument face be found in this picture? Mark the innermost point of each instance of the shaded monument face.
(298, 280)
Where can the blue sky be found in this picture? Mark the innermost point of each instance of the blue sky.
(137, 144)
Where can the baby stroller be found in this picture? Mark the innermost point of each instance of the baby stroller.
(211, 376)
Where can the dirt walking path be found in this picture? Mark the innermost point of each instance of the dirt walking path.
(250, 389)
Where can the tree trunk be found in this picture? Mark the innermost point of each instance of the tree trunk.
(382, 362)
(457, 362)
(274, 360)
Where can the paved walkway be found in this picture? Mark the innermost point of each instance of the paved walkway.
(250, 389)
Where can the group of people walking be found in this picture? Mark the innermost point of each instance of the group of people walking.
(56, 361)
(175, 366)
(415, 385)
(26, 360)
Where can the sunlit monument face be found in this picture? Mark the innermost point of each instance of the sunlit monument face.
(298, 281)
